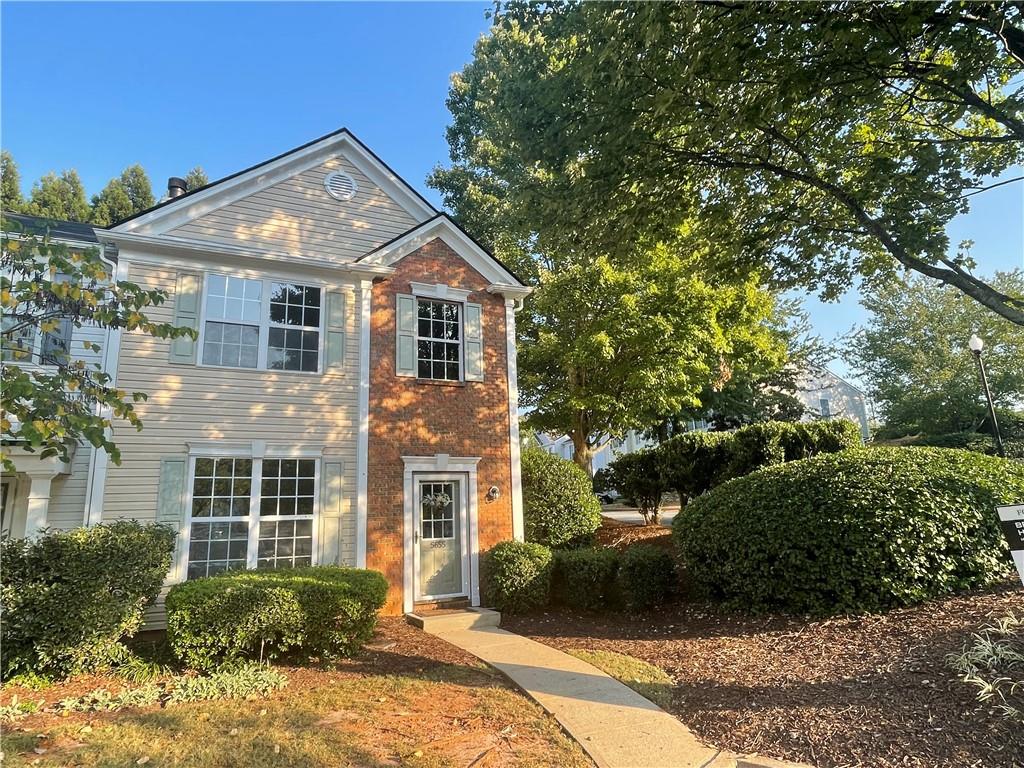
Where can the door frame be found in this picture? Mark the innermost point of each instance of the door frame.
(463, 504)
(439, 466)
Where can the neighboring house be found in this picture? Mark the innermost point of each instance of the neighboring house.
(828, 396)
(48, 491)
(351, 398)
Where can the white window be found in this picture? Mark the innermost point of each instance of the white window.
(264, 324)
(825, 407)
(438, 340)
(251, 512)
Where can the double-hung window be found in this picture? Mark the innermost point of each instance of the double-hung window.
(265, 324)
(438, 340)
(248, 513)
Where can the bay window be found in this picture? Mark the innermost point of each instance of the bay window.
(263, 324)
(248, 512)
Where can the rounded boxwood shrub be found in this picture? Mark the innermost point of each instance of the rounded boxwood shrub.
(559, 505)
(69, 597)
(518, 576)
(647, 575)
(324, 611)
(586, 578)
(861, 530)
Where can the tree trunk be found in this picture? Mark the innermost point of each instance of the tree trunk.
(583, 453)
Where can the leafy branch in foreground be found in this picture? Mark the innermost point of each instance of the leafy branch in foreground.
(51, 396)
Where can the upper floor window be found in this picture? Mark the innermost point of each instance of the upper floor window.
(439, 340)
(261, 324)
(825, 407)
(20, 342)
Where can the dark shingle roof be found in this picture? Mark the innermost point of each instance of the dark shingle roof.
(66, 230)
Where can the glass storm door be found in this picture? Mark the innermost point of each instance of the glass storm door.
(439, 538)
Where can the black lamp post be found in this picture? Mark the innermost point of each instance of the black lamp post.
(976, 345)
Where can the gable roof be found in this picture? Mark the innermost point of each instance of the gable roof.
(445, 227)
(77, 231)
(218, 193)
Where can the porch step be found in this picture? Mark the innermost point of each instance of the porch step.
(444, 620)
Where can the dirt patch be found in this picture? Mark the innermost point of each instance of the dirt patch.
(857, 691)
(621, 536)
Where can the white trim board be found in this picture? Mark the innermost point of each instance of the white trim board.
(518, 525)
(219, 194)
(444, 228)
(363, 438)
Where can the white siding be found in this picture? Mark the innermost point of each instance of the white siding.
(297, 216)
(189, 403)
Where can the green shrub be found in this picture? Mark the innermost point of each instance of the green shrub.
(639, 476)
(518, 576)
(756, 446)
(323, 611)
(586, 578)
(692, 462)
(559, 505)
(809, 438)
(647, 575)
(69, 597)
(860, 530)
(971, 441)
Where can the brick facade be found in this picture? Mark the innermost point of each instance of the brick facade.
(410, 417)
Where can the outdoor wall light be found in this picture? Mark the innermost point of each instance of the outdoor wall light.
(493, 493)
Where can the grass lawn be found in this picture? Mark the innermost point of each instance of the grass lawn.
(859, 691)
(418, 703)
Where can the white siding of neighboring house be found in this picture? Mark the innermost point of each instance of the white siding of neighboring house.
(67, 491)
(195, 403)
(298, 216)
(825, 395)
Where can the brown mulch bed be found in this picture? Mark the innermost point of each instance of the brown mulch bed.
(850, 691)
(619, 535)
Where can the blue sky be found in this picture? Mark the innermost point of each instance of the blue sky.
(100, 86)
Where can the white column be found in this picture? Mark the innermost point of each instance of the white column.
(518, 529)
(363, 437)
(38, 502)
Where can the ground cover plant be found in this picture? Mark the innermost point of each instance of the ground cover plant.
(861, 530)
(992, 662)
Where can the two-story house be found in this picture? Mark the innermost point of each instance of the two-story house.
(351, 397)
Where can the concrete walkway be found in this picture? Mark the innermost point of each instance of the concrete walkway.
(616, 726)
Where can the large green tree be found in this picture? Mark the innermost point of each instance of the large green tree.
(11, 200)
(608, 345)
(59, 197)
(129, 193)
(51, 398)
(913, 355)
(821, 140)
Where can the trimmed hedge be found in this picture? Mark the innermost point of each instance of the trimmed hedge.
(971, 441)
(647, 575)
(861, 530)
(324, 611)
(518, 576)
(586, 578)
(692, 462)
(69, 597)
(559, 506)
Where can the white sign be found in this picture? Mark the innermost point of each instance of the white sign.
(1011, 520)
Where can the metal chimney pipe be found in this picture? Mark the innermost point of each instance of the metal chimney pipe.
(176, 187)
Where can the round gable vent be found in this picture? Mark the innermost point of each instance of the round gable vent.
(340, 186)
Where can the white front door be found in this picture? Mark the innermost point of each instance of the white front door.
(441, 553)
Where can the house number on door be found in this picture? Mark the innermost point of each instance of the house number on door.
(437, 544)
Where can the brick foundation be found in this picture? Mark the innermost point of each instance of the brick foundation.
(411, 417)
